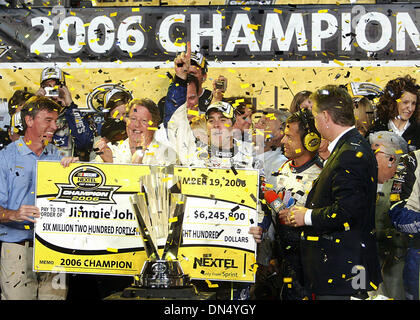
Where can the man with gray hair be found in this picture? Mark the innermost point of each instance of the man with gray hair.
(392, 244)
(388, 148)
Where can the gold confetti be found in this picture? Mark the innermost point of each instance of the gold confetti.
(359, 154)
(255, 268)
(311, 238)
(394, 197)
(373, 286)
(211, 285)
(253, 26)
(112, 250)
(346, 226)
(174, 219)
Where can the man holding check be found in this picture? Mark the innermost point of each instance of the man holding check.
(17, 203)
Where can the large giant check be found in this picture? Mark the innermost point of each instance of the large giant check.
(88, 225)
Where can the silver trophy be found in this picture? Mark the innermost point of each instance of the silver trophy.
(160, 213)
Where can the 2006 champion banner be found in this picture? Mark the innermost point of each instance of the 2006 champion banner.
(87, 223)
(267, 53)
(222, 33)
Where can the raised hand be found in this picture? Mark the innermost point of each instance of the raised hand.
(183, 62)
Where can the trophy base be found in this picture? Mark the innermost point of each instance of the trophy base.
(183, 293)
(159, 293)
(162, 274)
(159, 280)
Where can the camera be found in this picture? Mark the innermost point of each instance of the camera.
(221, 84)
(51, 92)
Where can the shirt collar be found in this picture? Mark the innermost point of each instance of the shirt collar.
(394, 128)
(22, 147)
(306, 165)
(24, 150)
(332, 144)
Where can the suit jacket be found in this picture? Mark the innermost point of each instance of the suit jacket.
(339, 252)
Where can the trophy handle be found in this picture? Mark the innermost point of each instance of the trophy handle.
(149, 246)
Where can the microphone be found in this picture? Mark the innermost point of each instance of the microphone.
(274, 201)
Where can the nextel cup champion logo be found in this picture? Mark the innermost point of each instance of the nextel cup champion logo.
(86, 185)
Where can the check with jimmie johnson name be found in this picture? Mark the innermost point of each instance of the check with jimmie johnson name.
(88, 225)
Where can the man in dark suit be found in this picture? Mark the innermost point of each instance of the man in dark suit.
(338, 245)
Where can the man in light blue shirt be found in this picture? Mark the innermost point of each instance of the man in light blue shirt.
(17, 202)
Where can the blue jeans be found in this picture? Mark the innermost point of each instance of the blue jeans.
(411, 274)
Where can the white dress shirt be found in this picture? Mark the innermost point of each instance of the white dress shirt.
(331, 146)
(393, 127)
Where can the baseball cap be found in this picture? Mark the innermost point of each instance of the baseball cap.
(52, 73)
(225, 108)
(198, 59)
(111, 92)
